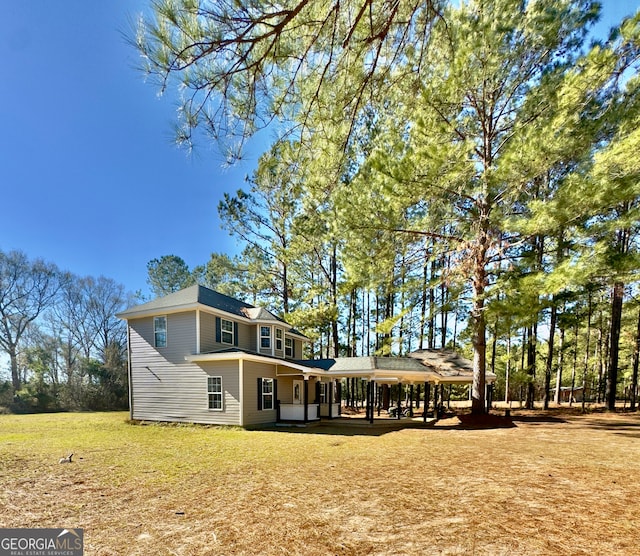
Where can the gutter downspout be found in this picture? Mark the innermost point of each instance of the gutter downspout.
(241, 389)
(129, 372)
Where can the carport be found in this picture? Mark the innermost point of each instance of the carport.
(432, 369)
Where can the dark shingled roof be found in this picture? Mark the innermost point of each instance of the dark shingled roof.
(208, 297)
(192, 295)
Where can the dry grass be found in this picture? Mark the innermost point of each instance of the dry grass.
(566, 484)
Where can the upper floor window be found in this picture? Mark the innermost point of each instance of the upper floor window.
(214, 388)
(265, 337)
(160, 331)
(279, 339)
(288, 347)
(226, 327)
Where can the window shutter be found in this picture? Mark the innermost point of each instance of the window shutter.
(218, 330)
(275, 393)
(293, 349)
(235, 334)
(259, 394)
(317, 391)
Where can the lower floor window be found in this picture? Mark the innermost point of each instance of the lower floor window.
(323, 392)
(267, 393)
(215, 392)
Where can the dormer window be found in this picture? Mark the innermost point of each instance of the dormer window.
(288, 347)
(265, 337)
(279, 339)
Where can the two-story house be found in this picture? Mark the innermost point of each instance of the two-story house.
(200, 356)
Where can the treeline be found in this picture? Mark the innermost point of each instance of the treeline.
(65, 347)
(480, 190)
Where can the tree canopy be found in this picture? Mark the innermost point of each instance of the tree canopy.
(439, 155)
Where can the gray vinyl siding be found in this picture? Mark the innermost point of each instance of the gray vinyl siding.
(297, 348)
(208, 343)
(165, 387)
(251, 372)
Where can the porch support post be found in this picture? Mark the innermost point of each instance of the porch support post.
(366, 403)
(331, 386)
(399, 412)
(373, 390)
(306, 399)
(418, 397)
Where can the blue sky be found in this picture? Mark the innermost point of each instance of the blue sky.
(89, 176)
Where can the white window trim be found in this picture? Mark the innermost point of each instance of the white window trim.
(270, 346)
(272, 394)
(288, 351)
(223, 331)
(166, 331)
(211, 392)
(324, 392)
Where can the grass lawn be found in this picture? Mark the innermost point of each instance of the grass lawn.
(555, 483)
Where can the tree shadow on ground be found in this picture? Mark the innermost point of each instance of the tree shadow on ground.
(468, 421)
(623, 424)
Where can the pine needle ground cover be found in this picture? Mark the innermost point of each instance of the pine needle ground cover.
(552, 484)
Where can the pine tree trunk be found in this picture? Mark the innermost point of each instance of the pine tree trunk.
(444, 312)
(549, 366)
(600, 357)
(575, 364)
(354, 331)
(334, 300)
(478, 319)
(616, 320)
(403, 272)
(557, 397)
(494, 344)
(532, 338)
(636, 361)
(423, 301)
(432, 309)
(507, 371)
(586, 352)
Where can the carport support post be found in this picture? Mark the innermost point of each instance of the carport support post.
(411, 400)
(427, 394)
(435, 402)
(399, 412)
(306, 399)
(418, 397)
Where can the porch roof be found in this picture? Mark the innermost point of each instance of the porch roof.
(437, 367)
(234, 354)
